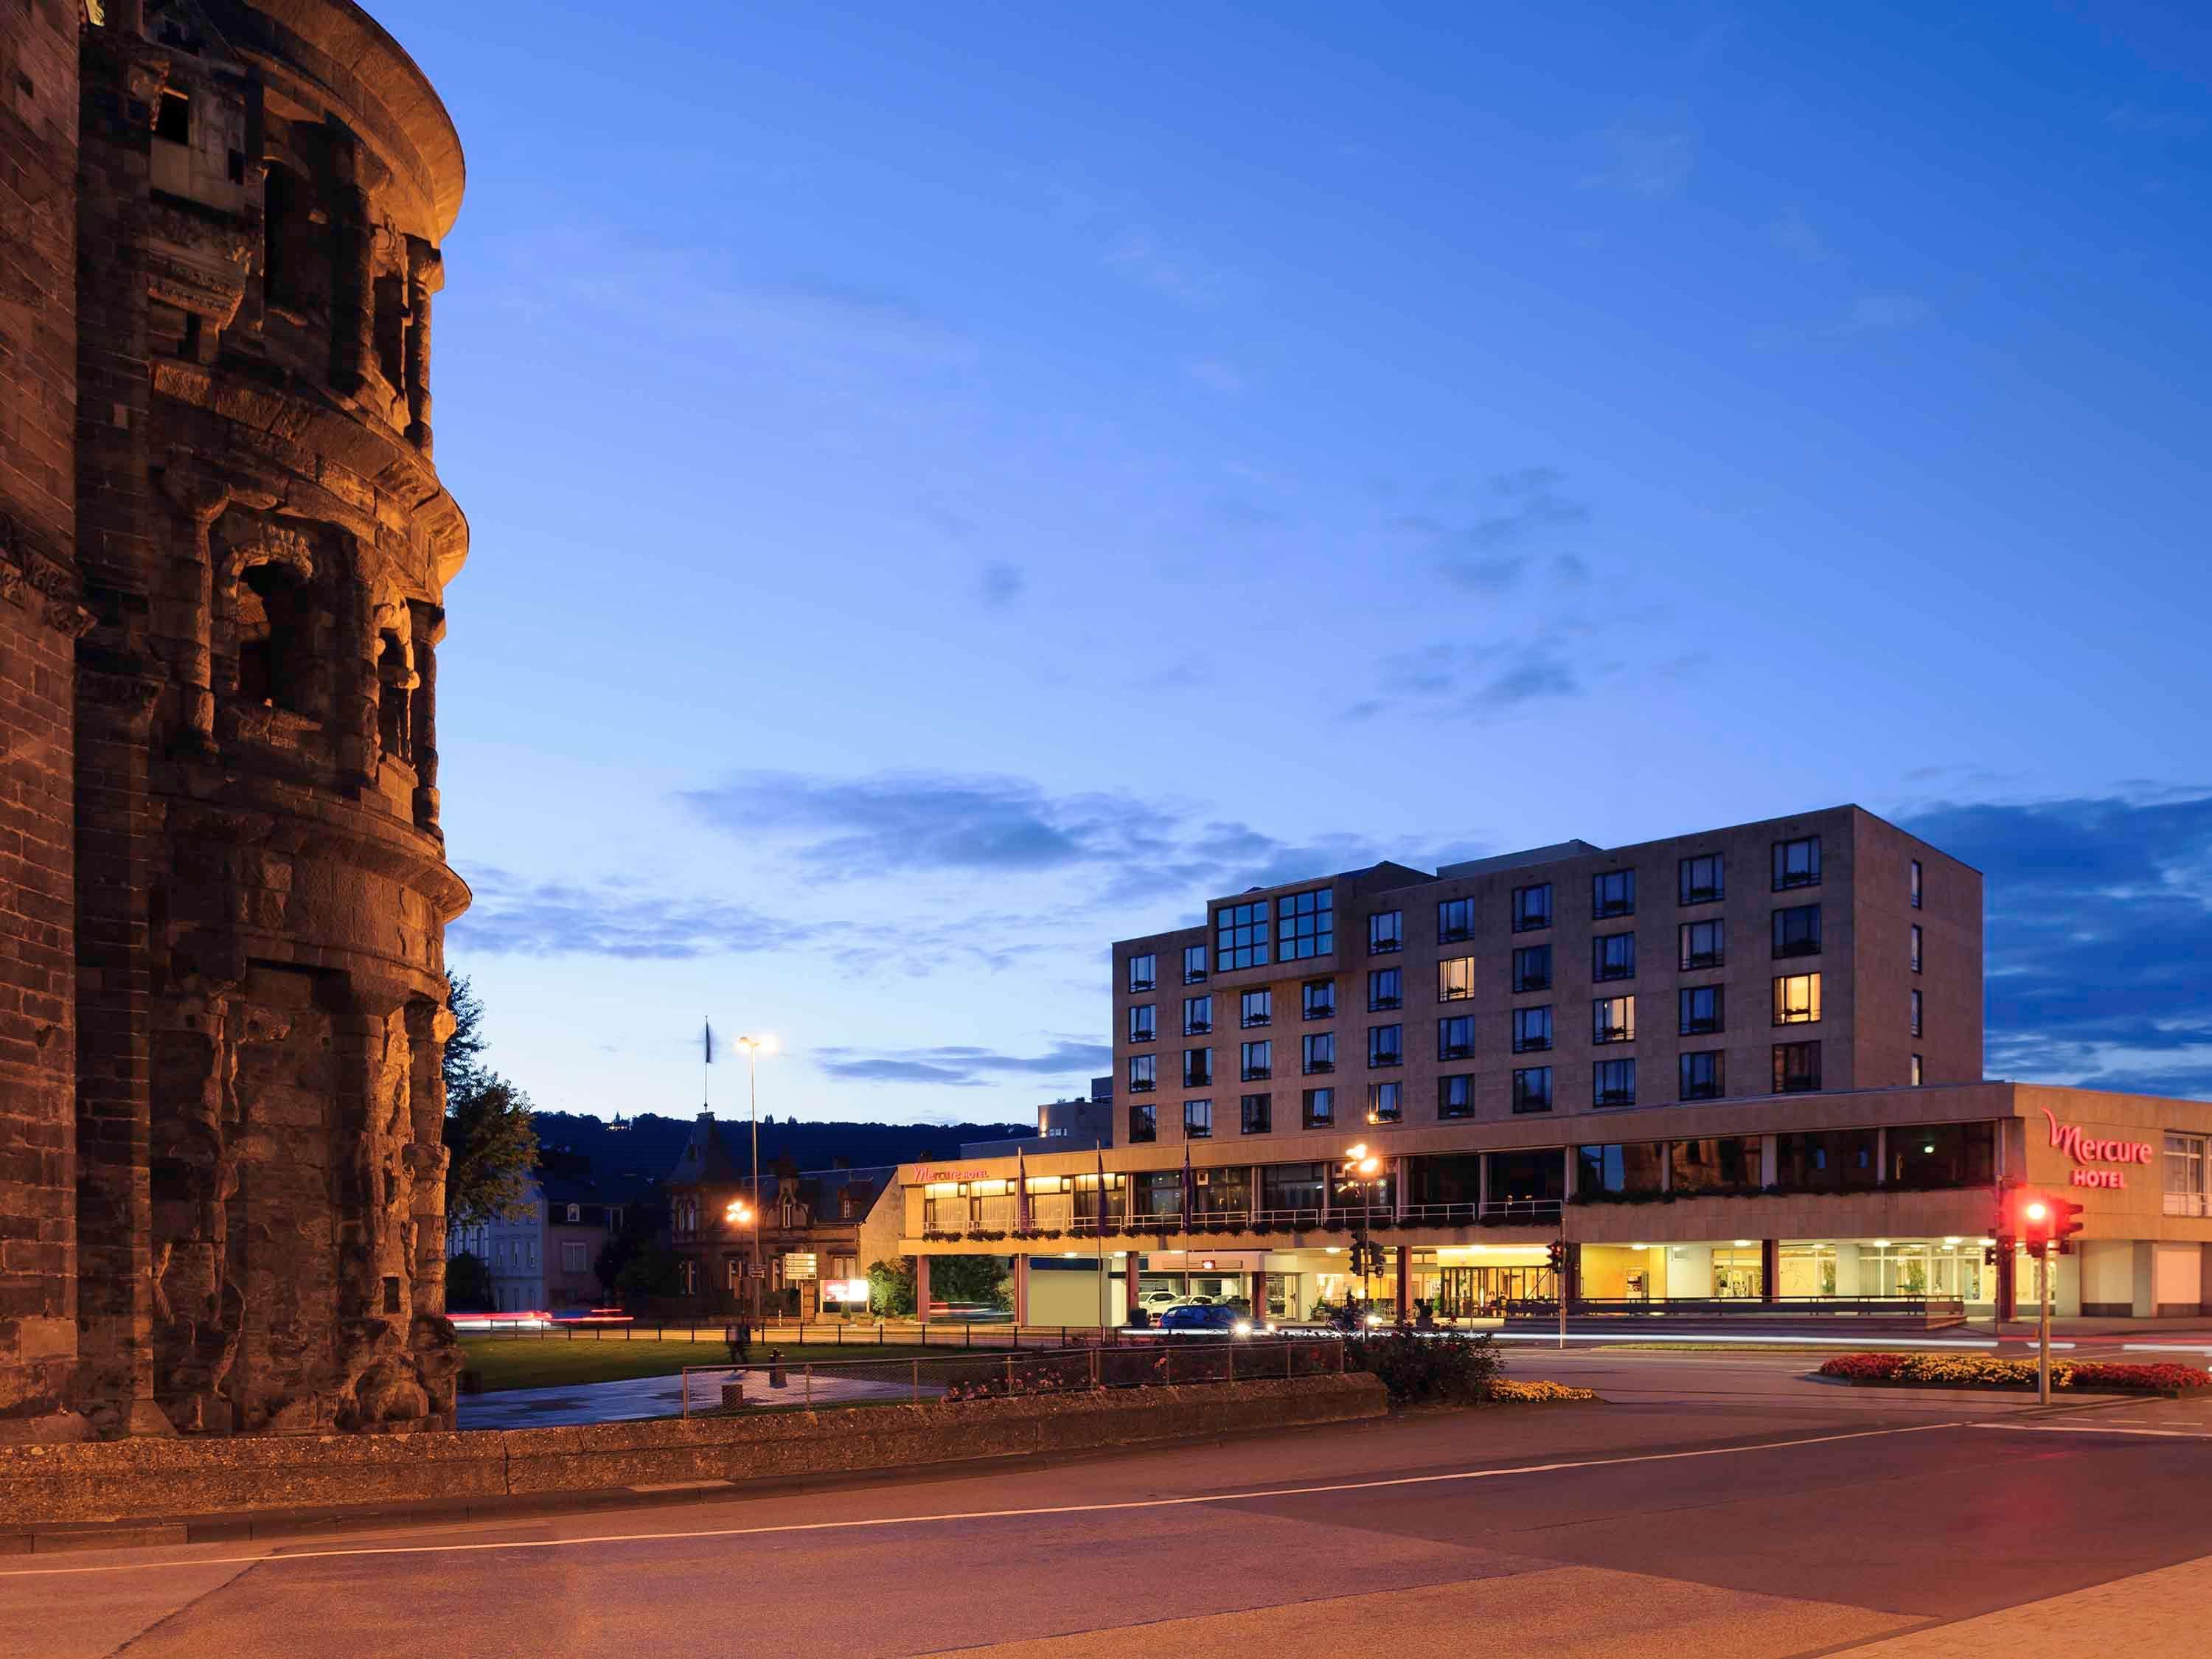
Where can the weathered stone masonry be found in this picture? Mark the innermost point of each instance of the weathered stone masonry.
(223, 550)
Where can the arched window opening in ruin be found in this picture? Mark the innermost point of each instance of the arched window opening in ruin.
(274, 622)
(392, 331)
(395, 680)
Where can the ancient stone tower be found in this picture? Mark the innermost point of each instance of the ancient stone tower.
(223, 551)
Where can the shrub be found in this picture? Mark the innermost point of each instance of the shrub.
(1448, 1369)
(1989, 1372)
(1505, 1389)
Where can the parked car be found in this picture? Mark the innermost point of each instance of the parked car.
(1212, 1316)
(1159, 1301)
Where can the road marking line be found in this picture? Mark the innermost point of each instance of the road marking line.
(995, 1514)
(2089, 1428)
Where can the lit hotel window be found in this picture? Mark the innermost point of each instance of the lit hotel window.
(1454, 979)
(1385, 1102)
(1797, 999)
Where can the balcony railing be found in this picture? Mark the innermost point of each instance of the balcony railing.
(2192, 1204)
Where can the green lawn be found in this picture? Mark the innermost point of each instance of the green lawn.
(530, 1362)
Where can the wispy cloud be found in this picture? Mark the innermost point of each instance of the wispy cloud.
(1490, 554)
(1794, 234)
(514, 916)
(2099, 922)
(998, 585)
(1481, 681)
(1651, 156)
(965, 1067)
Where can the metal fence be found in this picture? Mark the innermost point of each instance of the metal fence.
(1156, 1363)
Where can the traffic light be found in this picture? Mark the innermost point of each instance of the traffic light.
(2065, 1222)
(1990, 1252)
(1557, 1250)
(2038, 1217)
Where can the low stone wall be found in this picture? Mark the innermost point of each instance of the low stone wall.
(141, 1479)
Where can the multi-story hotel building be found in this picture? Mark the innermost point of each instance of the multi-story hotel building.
(1745, 1062)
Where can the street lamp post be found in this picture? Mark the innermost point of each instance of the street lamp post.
(752, 1046)
(1361, 1166)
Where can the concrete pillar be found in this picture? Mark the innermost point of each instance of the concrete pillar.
(1405, 1280)
(2145, 1277)
(1770, 1269)
(1770, 1161)
(1881, 1158)
(1131, 1286)
(1021, 1290)
(2008, 1305)
(1481, 1183)
(1400, 1168)
(921, 1288)
(1259, 1294)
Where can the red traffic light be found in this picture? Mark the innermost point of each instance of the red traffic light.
(2036, 1218)
(1558, 1252)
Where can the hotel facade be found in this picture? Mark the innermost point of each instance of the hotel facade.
(1741, 1064)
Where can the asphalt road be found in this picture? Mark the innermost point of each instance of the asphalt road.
(1719, 1501)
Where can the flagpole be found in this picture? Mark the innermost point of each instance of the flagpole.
(1105, 1285)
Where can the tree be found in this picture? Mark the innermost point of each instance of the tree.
(653, 1272)
(468, 1283)
(981, 1278)
(890, 1286)
(489, 1134)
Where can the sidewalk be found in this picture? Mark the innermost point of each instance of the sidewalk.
(639, 1397)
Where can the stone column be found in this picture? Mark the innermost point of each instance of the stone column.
(1131, 1286)
(429, 625)
(426, 275)
(353, 286)
(1021, 1291)
(1405, 1279)
(1770, 1269)
(183, 609)
(921, 1289)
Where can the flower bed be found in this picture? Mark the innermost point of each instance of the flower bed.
(1933, 1371)
(1537, 1393)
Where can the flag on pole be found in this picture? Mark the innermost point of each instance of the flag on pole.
(1021, 1190)
(710, 1042)
(1102, 1192)
(1187, 1194)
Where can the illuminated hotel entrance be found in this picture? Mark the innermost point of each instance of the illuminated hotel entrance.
(1464, 1292)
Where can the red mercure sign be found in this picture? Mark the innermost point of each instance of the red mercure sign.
(2088, 1149)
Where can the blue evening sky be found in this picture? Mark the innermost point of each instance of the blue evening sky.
(955, 484)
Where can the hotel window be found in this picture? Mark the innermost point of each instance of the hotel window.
(1916, 883)
(1916, 947)
(1532, 908)
(1915, 1010)
(1454, 979)
(1385, 988)
(1142, 1026)
(1531, 1029)
(1240, 936)
(1532, 968)
(1456, 1037)
(1613, 956)
(1716, 1163)
(1700, 879)
(1143, 1122)
(1143, 1074)
(1305, 925)
(1613, 1019)
(1317, 999)
(1613, 893)
(1385, 1102)
(1319, 1108)
(1915, 1071)
(1634, 1167)
(1704, 944)
(1700, 1011)
(1703, 1076)
(1144, 972)
(1796, 1067)
(1796, 999)
(1197, 1015)
(1455, 1095)
(1532, 1089)
(1255, 1008)
(1612, 1083)
(1943, 1154)
(1797, 863)
(1386, 931)
(1193, 964)
(1797, 931)
(1197, 1120)
(2185, 1174)
(1257, 1061)
(1318, 1053)
(1255, 1114)
(1825, 1160)
(1197, 1068)
(1386, 1045)
(1454, 920)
